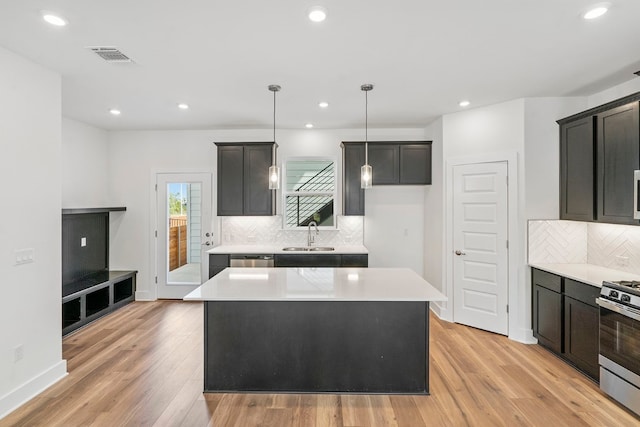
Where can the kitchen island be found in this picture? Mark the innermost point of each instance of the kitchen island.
(332, 330)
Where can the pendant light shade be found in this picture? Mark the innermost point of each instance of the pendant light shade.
(274, 170)
(366, 173)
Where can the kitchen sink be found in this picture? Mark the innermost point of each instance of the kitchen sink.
(309, 248)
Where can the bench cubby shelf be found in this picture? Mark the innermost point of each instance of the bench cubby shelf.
(91, 298)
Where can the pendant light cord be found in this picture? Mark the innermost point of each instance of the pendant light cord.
(366, 127)
(275, 153)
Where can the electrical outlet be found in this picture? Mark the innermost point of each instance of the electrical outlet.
(18, 353)
(83, 242)
(622, 261)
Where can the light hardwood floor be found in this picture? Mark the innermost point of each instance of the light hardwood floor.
(143, 366)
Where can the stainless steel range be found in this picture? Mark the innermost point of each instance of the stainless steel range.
(620, 342)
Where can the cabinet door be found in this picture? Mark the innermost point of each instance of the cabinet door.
(258, 199)
(217, 263)
(230, 180)
(577, 185)
(301, 260)
(618, 155)
(385, 163)
(415, 164)
(352, 194)
(355, 260)
(581, 326)
(547, 318)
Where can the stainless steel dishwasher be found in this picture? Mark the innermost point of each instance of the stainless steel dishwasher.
(251, 261)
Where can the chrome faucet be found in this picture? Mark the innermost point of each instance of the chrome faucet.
(311, 239)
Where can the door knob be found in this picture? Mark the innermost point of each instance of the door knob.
(206, 244)
(459, 253)
(208, 234)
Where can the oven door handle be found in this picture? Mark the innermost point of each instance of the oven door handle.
(618, 309)
(636, 187)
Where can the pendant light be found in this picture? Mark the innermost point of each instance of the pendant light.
(366, 173)
(274, 170)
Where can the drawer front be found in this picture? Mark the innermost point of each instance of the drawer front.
(301, 260)
(581, 291)
(547, 280)
(355, 260)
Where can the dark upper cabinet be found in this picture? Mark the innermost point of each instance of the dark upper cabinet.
(577, 166)
(415, 164)
(618, 142)
(352, 194)
(393, 163)
(385, 163)
(599, 152)
(243, 182)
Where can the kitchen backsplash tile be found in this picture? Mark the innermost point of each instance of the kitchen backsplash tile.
(614, 246)
(608, 245)
(267, 230)
(557, 242)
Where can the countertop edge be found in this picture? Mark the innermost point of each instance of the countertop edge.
(589, 274)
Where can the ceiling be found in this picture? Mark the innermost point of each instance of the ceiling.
(422, 56)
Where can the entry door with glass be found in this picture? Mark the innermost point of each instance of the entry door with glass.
(184, 232)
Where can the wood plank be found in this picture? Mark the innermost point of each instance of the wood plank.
(142, 365)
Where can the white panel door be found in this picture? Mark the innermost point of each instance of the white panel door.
(480, 259)
(184, 232)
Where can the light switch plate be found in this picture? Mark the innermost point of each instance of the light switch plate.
(83, 242)
(24, 256)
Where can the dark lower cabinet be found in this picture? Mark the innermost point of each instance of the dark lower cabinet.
(321, 260)
(565, 319)
(581, 335)
(217, 263)
(547, 317)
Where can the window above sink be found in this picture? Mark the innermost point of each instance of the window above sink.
(309, 192)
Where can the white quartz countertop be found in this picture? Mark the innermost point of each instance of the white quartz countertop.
(278, 249)
(316, 284)
(587, 273)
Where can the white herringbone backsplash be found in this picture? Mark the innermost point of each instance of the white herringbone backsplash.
(608, 245)
(267, 230)
(557, 242)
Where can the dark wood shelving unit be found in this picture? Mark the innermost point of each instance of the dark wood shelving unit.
(89, 289)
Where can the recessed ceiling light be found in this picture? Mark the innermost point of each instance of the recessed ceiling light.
(464, 103)
(317, 14)
(54, 19)
(309, 125)
(596, 11)
(183, 106)
(323, 104)
(115, 111)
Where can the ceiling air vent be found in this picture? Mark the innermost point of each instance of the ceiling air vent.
(110, 54)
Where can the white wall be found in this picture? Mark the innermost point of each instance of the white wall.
(30, 308)
(134, 158)
(85, 172)
(434, 234)
(613, 93)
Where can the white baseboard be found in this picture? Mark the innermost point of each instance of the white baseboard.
(439, 311)
(27, 391)
(145, 296)
(525, 336)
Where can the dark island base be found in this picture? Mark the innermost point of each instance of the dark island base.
(317, 347)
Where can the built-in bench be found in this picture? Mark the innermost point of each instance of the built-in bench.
(89, 289)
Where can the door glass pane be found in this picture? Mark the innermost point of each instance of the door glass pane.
(184, 233)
